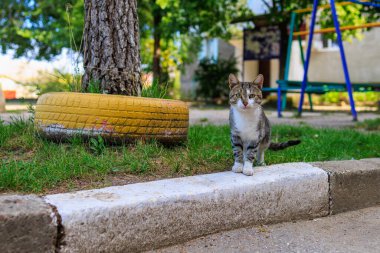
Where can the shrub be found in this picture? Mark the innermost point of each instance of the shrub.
(56, 81)
(212, 76)
(370, 98)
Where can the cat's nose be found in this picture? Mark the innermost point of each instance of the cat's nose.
(245, 103)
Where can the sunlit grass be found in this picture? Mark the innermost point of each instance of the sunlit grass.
(370, 124)
(31, 164)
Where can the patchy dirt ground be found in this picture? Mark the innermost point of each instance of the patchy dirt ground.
(109, 180)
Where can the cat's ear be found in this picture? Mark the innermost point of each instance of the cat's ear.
(259, 81)
(232, 80)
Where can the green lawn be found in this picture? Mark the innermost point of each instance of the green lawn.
(369, 124)
(31, 164)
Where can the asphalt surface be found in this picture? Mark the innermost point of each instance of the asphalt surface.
(356, 231)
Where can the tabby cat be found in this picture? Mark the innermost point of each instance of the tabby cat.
(250, 128)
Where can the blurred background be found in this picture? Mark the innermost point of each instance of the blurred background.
(188, 48)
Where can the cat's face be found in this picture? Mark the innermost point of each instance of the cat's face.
(245, 95)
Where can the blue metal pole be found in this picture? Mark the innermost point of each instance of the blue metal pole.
(279, 115)
(344, 63)
(308, 53)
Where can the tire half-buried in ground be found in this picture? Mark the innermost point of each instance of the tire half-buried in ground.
(62, 115)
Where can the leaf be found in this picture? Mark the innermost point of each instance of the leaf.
(162, 3)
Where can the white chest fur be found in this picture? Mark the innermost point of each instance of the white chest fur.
(246, 123)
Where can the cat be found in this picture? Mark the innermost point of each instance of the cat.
(250, 128)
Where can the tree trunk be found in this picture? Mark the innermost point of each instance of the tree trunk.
(111, 47)
(2, 100)
(157, 49)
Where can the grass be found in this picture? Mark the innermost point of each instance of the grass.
(369, 124)
(32, 164)
(155, 90)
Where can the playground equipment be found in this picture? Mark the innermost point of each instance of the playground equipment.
(286, 86)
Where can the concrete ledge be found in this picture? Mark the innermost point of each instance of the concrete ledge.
(144, 216)
(353, 184)
(150, 215)
(27, 224)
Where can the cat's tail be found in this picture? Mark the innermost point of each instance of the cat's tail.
(282, 145)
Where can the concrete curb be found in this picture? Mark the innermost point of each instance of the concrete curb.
(149, 215)
(27, 224)
(353, 184)
(143, 216)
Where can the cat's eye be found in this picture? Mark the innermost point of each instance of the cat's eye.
(251, 96)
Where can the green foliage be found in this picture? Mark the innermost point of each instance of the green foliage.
(97, 145)
(181, 28)
(76, 140)
(40, 28)
(57, 81)
(210, 18)
(355, 14)
(347, 15)
(334, 97)
(94, 87)
(212, 76)
(371, 97)
(155, 90)
(63, 82)
(19, 123)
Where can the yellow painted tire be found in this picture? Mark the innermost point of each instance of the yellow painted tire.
(62, 115)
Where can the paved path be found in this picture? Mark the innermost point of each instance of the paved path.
(356, 231)
(220, 117)
(7, 117)
(316, 119)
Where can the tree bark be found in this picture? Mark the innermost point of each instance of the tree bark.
(2, 101)
(111, 47)
(157, 49)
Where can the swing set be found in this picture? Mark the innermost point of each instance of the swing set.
(288, 86)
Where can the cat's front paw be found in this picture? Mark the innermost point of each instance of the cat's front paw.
(248, 169)
(237, 167)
